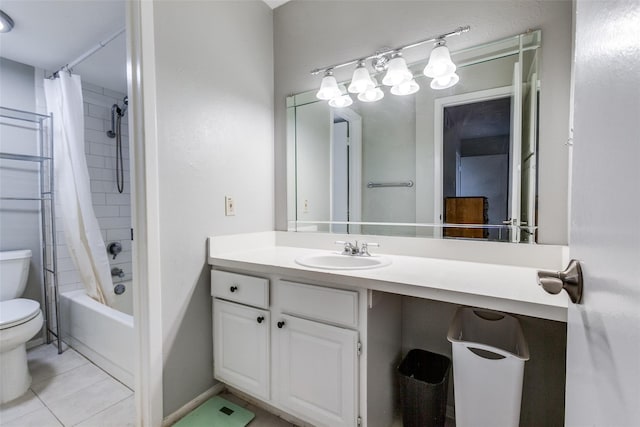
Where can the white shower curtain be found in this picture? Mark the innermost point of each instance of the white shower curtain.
(72, 186)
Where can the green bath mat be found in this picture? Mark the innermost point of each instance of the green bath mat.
(217, 412)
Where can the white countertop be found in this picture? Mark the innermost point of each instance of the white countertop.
(507, 288)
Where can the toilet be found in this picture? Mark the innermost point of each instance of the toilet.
(20, 320)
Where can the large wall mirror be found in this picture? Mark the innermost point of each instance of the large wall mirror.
(453, 163)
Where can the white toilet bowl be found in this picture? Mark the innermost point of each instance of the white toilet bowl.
(20, 320)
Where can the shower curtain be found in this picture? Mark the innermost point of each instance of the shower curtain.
(82, 233)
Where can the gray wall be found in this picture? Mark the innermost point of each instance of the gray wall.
(215, 138)
(310, 34)
(20, 220)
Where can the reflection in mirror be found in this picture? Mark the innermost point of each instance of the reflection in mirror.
(452, 163)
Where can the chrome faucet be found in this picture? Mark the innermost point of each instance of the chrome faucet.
(352, 249)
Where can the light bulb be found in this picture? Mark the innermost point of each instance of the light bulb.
(371, 95)
(440, 63)
(445, 82)
(406, 88)
(397, 72)
(329, 87)
(361, 80)
(340, 101)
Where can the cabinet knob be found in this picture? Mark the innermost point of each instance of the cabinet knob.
(281, 324)
(233, 288)
(260, 319)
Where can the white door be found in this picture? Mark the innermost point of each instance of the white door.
(516, 152)
(603, 333)
(241, 347)
(317, 371)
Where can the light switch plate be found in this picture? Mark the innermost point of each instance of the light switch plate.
(229, 206)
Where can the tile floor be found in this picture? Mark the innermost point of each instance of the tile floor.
(68, 390)
(262, 419)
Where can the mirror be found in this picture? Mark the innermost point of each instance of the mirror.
(453, 163)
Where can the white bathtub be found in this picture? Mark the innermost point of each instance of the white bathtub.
(102, 334)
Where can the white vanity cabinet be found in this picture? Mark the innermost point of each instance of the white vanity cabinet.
(241, 332)
(315, 353)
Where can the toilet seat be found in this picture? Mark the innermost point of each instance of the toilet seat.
(17, 311)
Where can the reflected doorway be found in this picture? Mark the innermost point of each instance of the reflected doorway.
(476, 159)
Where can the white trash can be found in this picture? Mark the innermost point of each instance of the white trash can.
(489, 351)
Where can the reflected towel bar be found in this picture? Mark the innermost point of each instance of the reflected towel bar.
(389, 184)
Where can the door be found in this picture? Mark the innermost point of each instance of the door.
(603, 333)
(241, 347)
(317, 371)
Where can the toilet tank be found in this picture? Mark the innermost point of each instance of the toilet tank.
(14, 270)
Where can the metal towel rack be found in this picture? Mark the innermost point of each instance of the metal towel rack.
(371, 184)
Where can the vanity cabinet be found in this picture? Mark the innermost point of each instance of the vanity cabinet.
(315, 369)
(241, 332)
(294, 346)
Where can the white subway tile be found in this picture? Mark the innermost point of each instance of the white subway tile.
(109, 223)
(95, 161)
(93, 88)
(98, 111)
(118, 234)
(107, 211)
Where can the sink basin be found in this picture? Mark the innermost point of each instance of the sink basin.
(334, 261)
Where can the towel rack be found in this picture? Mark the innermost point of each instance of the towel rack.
(371, 184)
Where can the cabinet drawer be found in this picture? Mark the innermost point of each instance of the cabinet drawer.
(247, 290)
(319, 303)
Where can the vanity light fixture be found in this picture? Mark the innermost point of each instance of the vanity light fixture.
(372, 94)
(445, 82)
(405, 88)
(6, 23)
(340, 101)
(397, 71)
(440, 63)
(329, 87)
(398, 76)
(361, 80)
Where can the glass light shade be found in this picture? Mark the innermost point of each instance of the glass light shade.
(406, 88)
(328, 88)
(361, 80)
(340, 101)
(397, 72)
(371, 95)
(440, 63)
(445, 82)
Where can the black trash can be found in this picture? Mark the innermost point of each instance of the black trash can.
(424, 378)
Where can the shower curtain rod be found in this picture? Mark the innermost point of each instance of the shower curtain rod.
(90, 52)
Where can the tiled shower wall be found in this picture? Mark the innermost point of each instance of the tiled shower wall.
(112, 209)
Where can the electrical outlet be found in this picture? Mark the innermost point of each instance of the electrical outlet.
(229, 206)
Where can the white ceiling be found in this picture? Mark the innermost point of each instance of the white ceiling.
(51, 33)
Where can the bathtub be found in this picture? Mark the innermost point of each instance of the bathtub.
(102, 334)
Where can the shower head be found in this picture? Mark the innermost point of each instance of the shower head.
(125, 105)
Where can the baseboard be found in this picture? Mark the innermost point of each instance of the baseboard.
(176, 416)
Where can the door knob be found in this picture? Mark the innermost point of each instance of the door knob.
(260, 319)
(233, 288)
(570, 280)
(280, 324)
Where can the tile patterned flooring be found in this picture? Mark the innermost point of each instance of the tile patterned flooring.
(68, 390)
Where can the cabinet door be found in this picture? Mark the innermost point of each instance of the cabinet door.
(241, 347)
(316, 371)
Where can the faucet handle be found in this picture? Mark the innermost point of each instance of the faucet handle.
(364, 248)
(348, 247)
